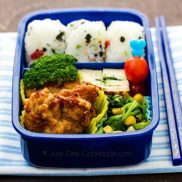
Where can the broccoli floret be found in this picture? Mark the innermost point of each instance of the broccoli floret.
(115, 101)
(139, 111)
(131, 109)
(141, 125)
(116, 123)
(49, 69)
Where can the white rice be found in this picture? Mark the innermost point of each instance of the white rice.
(48, 35)
(76, 24)
(86, 40)
(119, 34)
(83, 39)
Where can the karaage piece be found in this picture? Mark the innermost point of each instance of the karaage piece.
(85, 91)
(53, 88)
(69, 111)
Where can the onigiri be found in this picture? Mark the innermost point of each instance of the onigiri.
(44, 37)
(119, 35)
(75, 24)
(86, 40)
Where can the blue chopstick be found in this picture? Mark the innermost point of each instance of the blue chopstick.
(173, 131)
(172, 79)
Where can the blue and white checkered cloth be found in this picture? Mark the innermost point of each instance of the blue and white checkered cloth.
(11, 159)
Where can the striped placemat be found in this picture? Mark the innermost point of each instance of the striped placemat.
(11, 160)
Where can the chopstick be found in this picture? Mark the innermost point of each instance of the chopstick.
(173, 121)
(172, 79)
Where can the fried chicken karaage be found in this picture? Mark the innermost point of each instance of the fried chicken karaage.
(68, 111)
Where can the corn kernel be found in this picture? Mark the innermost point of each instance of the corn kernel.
(139, 98)
(116, 111)
(130, 120)
(107, 129)
(131, 128)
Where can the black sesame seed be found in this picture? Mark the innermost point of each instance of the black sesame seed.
(101, 53)
(122, 39)
(59, 37)
(53, 51)
(44, 49)
(88, 38)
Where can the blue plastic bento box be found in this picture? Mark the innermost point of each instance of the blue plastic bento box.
(85, 150)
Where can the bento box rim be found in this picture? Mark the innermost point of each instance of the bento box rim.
(16, 77)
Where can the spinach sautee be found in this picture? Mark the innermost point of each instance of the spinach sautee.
(129, 107)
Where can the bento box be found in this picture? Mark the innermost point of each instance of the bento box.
(85, 150)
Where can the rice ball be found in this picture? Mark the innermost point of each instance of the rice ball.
(86, 40)
(119, 35)
(76, 24)
(44, 37)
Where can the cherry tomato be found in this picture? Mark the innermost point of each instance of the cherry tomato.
(107, 43)
(36, 54)
(139, 88)
(136, 69)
